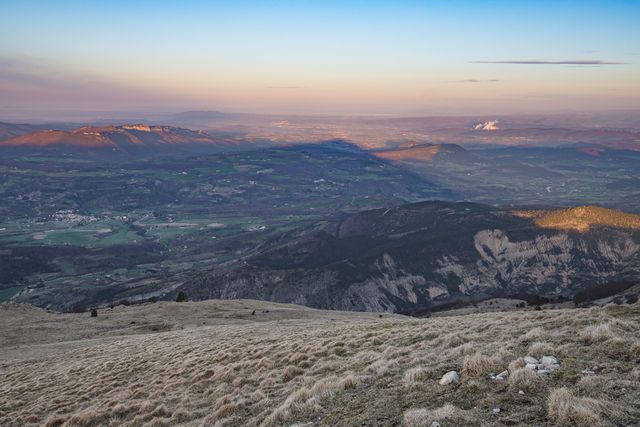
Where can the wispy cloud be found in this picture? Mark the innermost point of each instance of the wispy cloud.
(283, 87)
(564, 62)
(477, 81)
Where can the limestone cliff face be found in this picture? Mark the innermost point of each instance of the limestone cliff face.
(373, 267)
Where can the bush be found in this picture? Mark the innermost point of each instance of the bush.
(182, 297)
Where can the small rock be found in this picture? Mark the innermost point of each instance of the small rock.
(530, 360)
(502, 375)
(539, 366)
(587, 372)
(520, 392)
(449, 377)
(531, 366)
(549, 361)
(543, 371)
(94, 313)
(496, 410)
(435, 424)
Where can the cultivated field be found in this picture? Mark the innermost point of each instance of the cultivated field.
(237, 363)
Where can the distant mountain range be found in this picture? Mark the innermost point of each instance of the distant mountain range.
(124, 138)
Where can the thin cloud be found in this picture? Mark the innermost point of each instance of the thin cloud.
(478, 81)
(565, 62)
(283, 87)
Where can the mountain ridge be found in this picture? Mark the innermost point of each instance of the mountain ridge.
(115, 137)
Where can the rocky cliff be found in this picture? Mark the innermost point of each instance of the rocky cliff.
(422, 255)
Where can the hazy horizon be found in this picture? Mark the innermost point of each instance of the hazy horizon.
(339, 58)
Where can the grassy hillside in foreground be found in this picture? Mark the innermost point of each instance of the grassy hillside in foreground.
(214, 363)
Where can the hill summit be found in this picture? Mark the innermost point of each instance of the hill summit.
(581, 218)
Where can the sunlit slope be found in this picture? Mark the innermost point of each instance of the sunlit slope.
(582, 218)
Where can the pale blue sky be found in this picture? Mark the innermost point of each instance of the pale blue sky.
(320, 57)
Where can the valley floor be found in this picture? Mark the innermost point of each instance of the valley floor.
(237, 363)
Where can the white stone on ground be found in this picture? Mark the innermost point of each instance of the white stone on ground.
(449, 377)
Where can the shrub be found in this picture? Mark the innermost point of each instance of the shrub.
(181, 297)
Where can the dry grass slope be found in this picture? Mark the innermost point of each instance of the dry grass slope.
(295, 365)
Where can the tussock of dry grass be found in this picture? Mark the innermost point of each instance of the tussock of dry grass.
(477, 365)
(329, 368)
(415, 377)
(522, 379)
(565, 409)
(447, 414)
(539, 349)
(597, 333)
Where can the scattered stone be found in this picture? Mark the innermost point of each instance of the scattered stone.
(496, 410)
(544, 366)
(449, 377)
(587, 372)
(435, 424)
(520, 392)
(501, 376)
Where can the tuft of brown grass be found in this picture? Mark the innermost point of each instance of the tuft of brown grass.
(522, 379)
(415, 377)
(477, 364)
(425, 417)
(539, 349)
(290, 372)
(565, 409)
(597, 333)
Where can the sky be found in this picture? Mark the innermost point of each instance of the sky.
(330, 57)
